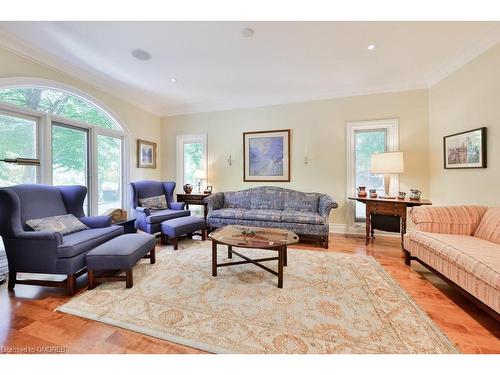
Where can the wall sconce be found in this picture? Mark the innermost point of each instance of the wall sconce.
(229, 160)
(22, 161)
(306, 160)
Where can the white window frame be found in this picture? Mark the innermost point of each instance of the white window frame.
(391, 126)
(44, 123)
(180, 141)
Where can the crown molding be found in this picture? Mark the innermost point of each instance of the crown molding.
(234, 104)
(488, 41)
(37, 55)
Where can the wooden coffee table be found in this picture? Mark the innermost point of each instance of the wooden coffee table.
(255, 238)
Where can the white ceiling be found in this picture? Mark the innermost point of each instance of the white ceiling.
(216, 68)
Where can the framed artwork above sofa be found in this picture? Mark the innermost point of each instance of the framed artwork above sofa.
(266, 156)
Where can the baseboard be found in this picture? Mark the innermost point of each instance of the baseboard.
(358, 232)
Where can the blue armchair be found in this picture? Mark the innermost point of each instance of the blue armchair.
(149, 220)
(48, 252)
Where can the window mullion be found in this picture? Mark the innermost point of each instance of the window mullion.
(92, 172)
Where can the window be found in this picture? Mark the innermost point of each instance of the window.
(18, 139)
(191, 156)
(59, 103)
(109, 172)
(364, 139)
(80, 143)
(70, 164)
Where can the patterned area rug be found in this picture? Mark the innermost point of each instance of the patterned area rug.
(330, 303)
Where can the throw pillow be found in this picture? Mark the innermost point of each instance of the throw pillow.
(63, 224)
(154, 203)
(489, 227)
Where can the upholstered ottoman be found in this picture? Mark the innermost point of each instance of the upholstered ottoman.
(119, 255)
(174, 228)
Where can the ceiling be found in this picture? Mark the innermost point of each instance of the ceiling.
(217, 68)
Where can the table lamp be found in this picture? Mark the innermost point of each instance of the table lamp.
(200, 174)
(387, 163)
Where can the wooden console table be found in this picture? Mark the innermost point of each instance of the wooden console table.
(387, 214)
(196, 199)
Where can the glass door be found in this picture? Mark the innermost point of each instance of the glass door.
(18, 139)
(109, 173)
(70, 164)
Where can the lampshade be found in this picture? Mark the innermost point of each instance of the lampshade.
(200, 174)
(387, 162)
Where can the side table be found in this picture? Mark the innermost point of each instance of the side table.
(380, 211)
(128, 225)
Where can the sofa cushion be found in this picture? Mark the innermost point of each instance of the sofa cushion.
(262, 215)
(237, 199)
(228, 213)
(298, 201)
(267, 198)
(79, 242)
(154, 203)
(302, 217)
(489, 227)
(452, 219)
(470, 262)
(63, 224)
(162, 215)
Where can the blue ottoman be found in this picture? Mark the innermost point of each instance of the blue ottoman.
(119, 255)
(174, 228)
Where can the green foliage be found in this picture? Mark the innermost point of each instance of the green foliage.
(192, 160)
(58, 103)
(69, 146)
(17, 139)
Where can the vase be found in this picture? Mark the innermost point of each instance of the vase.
(362, 191)
(188, 188)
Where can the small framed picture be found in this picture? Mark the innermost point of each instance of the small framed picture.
(208, 190)
(465, 150)
(146, 154)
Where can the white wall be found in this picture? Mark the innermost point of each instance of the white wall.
(320, 124)
(465, 100)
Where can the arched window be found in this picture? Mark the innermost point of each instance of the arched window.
(59, 103)
(68, 139)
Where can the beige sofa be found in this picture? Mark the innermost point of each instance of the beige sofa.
(462, 245)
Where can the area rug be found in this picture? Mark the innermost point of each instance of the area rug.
(330, 303)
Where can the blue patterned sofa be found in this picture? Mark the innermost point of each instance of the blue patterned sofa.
(304, 213)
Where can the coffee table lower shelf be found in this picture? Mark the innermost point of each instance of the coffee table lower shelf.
(281, 258)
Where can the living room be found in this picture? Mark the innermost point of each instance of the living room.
(250, 186)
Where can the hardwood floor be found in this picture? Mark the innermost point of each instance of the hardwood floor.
(28, 320)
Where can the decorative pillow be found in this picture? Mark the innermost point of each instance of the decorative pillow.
(489, 227)
(154, 203)
(63, 224)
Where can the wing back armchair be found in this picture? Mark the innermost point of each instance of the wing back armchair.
(149, 220)
(48, 252)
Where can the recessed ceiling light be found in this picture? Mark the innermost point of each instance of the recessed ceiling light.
(173, 80)
(141, 54)
(371, 47)
(247, 32)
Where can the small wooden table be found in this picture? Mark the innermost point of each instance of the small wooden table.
(256, 238)
(127, 224)
(379, 207)
(196, 199)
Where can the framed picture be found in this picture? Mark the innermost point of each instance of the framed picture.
(465, 150)
(266, 156)
(146, 154)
